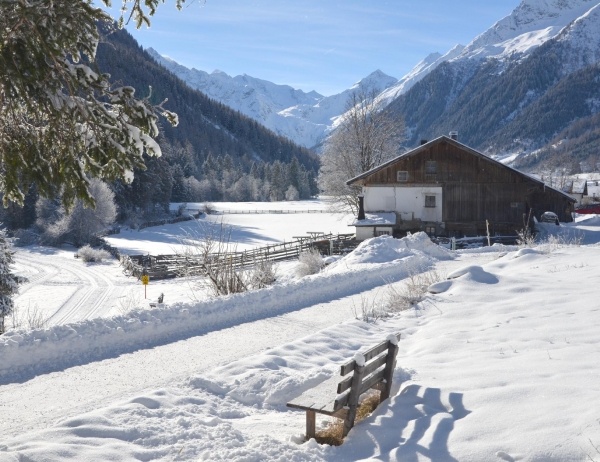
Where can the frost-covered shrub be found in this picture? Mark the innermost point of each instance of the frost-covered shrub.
(79, 224)
(29, 318)
(88, 254)
(412, 290)
(261, 275)
(309, 262)
(181, 209)
(209, 208)
(369, 310)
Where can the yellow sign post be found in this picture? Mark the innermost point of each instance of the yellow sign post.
(145, 281)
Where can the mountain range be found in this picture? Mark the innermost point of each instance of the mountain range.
(303, 117)
(527, 90)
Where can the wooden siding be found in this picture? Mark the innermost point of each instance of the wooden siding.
(454, 165)
(475, 188)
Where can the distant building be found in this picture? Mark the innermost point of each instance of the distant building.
(448, 189)
(592, 192)
(577, 189)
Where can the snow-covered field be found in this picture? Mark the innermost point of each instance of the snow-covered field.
(502, 364)
(63, 289)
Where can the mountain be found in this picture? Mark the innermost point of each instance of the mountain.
(422, 69)
(215, 153)
(520, 90)
(210, 127)
(529, 78)
(302, 117)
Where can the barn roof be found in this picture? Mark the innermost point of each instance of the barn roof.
(459, 145)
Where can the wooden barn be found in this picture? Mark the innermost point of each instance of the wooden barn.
(448, 189)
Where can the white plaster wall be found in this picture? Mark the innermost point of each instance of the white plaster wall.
(367, 232)
(408, 201)
(363, 232)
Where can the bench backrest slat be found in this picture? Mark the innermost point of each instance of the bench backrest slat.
(369, 368)
(345, 369)
(341, 401)
(372, 380)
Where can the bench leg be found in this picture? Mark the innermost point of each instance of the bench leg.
(310, 424)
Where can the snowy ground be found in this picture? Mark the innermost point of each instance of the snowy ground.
(63, 289)
(502, 364)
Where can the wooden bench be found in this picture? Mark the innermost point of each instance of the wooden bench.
(339, 398)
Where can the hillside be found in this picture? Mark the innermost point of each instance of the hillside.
(215, 152)
(532, 76)
(212, 128)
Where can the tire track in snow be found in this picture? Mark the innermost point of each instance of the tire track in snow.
(90, 299)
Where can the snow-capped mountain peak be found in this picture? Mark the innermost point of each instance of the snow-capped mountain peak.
(583, 34)
(423, 68)
(376, 81)
(304, 117)
(531, 24)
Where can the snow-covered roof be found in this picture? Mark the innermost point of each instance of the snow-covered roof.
(578, 186)
(376, 219)
(593, 190)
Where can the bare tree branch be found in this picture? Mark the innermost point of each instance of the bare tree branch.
(366, 137)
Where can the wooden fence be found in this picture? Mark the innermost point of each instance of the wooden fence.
(252, 212)
(171, 266)
(167, 221)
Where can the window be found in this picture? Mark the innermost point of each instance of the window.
(402, 176)
(429, 201)
(431, 167)
(380, 232)
(431, 170)
(430, 230)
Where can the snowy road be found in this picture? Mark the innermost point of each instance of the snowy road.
(62, 289)
(66, 393)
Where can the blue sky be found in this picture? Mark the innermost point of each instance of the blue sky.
(321, 45)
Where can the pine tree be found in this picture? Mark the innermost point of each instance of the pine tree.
(61, 120)
(8, 281)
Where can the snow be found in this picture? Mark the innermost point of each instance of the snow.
(248, 230)
(379, 219)
(303, 117)
(532, 23)
(499, 362)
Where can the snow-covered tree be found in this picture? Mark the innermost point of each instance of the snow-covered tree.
(8, 281)
(366, 137)
(292, 194)
(78, 224)
(84, 222)
(62, 122)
